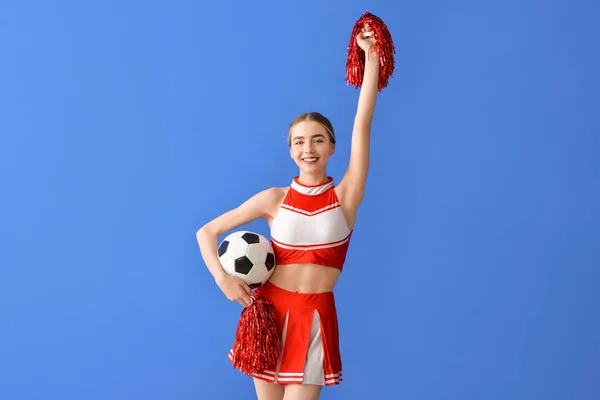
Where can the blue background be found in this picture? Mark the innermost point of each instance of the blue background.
(126, 125)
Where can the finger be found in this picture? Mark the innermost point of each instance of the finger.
(365, 36)
(248, 289)
(244, 301)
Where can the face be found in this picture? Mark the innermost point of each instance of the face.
(311, 146)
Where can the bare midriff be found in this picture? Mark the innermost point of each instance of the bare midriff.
(305, 278)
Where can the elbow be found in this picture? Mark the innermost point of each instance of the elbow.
(202, 232)
(203, 237)
(207, 231)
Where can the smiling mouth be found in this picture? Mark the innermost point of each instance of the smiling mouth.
(310, 160)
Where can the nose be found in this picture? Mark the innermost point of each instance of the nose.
(308, 147)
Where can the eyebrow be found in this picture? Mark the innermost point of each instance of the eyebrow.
(313, 136)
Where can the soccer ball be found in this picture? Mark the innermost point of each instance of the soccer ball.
(248, 256)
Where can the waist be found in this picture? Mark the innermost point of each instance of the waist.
(305, 278)
(283, 298)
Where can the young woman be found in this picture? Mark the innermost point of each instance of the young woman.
(311, 222)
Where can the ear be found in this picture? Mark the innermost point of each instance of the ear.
(331, 149)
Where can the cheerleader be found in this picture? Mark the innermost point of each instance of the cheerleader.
(311, 224)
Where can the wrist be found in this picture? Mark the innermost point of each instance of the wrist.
(220, 278)
(371, 56)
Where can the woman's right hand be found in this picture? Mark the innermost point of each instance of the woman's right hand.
(235, 289)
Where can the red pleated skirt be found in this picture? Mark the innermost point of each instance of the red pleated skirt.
(308, 325)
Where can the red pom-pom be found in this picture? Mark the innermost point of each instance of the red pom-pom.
(257, 342)
(355, 65)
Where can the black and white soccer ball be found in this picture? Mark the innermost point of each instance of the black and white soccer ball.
(248, 256)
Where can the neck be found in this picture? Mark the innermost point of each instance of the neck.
(313, 179)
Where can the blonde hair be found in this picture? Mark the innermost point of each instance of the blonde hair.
(312, 116)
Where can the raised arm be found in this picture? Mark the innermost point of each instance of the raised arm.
(352, 186)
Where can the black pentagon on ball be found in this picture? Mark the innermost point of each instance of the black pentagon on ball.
(243, 265)
(223, 247)
(250, 237)
(270, 262)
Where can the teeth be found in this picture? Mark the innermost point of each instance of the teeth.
(310, 159)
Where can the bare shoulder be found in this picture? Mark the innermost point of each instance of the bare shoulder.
(274, 196)
(267, 200)
(263, 204)
(270, 196)
(272, 199)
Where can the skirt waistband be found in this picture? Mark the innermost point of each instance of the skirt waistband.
(306, 301)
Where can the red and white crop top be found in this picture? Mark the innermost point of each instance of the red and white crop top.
(310, 227)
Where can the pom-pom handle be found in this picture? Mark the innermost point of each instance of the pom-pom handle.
(257, 343)
(384, 47)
